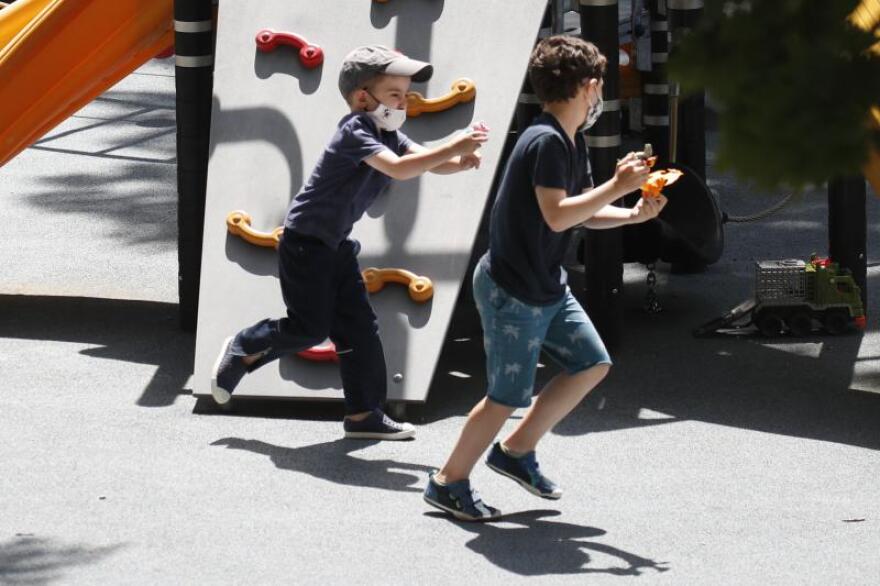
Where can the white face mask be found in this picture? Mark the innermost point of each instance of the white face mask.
(387, 118)
(593, 113)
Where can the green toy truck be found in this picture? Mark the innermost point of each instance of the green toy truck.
(793, 296)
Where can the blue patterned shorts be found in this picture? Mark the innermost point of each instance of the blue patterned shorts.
(514, 333)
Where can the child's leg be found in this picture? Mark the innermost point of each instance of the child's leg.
(572, 341)
(512, 333)
(306, 269)
(483, 424)
(556, 400)
(355, 333)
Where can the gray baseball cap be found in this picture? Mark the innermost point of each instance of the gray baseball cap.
(365, 63)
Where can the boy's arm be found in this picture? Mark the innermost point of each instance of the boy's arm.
(413, 164)
(562, 212)
(452, 165)
(612, 216)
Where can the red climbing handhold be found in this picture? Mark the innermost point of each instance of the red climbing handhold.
(323, 353)
(310, 56)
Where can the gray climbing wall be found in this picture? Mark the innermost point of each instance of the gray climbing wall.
(271, 119)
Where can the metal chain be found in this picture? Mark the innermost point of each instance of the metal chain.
(652, 304)
(760, 215)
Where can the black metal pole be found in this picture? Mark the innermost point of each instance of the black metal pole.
(683, 16)
(603, 249)
(847, 228)
(194, 62)
(655, 88)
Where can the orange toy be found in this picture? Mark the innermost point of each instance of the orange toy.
(658, 180)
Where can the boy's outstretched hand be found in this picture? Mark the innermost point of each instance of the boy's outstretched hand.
(647, 208)
(632, 171)
(468, 142)
(471, 161)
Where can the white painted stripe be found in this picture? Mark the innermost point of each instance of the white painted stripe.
(598, 2)
(657, 89)
(656, 120)
(659, 57)
(192, 26)
(684, 4)
(660, 25)
(611, 105)
(603, 142)
(197, 61)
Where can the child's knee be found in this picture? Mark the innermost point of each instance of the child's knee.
(595, 372)
(603, 369)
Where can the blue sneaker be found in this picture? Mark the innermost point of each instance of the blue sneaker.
(523, 470)
(228, 371)
(459, 500)
(378, 426)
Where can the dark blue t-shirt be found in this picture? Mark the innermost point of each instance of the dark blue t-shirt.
(525, 255)
(342, 186)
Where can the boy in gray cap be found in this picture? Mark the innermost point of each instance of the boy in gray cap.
(320, 278)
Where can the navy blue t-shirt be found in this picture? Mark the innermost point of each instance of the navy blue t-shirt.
(342, 186)
(525, 255)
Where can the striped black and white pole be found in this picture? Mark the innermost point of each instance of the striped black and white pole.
(655, 87)
(691, 143)
(603, 249)
(194, 66)
(528, 106)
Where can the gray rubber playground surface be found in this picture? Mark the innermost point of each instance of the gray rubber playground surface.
(727, 460)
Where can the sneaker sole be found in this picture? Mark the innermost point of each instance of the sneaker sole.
(400, 435)
(458, 514)
(525, 485)
(221, 396)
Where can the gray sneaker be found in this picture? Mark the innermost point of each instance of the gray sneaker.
(228, 371)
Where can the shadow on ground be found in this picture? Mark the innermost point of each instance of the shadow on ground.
(346, 469)
(27, 560)
(136, 130)
(140, 332)
(534, 546)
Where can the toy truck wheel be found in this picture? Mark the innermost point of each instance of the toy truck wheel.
(769, 323)
(800, 323)
(835, 321)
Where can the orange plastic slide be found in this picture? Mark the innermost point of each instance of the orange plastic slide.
(58, 55)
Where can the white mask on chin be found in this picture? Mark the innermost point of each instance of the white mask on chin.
(387, 118)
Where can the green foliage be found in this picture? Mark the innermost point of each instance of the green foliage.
(793, 80)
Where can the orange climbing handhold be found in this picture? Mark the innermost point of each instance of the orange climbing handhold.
(463, 90)
(239, 224)
(658, 180)
(421, 289)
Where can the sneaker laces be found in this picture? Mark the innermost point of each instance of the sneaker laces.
(469, 494)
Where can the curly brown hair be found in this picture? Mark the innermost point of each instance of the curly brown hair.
(560, 64)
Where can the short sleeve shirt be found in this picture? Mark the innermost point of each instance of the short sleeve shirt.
(342, 186)
(525, 255)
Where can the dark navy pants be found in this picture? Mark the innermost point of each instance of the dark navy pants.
(325, 297)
